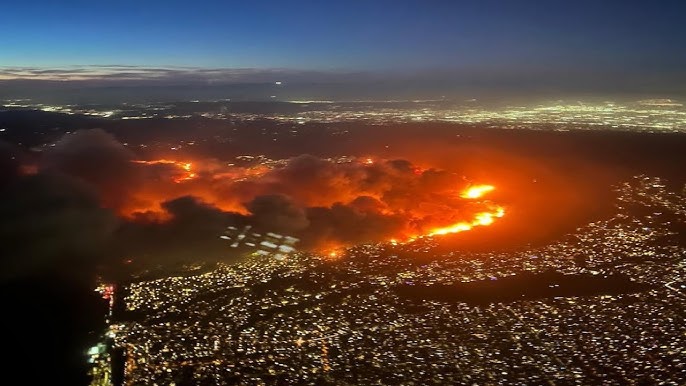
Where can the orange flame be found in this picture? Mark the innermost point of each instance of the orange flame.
(480, 219)
(476, 191)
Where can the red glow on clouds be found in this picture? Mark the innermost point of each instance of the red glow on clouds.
(406, 201)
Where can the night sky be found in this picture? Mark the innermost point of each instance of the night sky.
(591, 40)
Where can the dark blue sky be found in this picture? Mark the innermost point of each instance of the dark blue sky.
(495, 37)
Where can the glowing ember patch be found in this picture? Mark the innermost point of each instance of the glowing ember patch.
(333, 255)
(477, 191)
(28, 170)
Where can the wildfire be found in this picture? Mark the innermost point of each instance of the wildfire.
(480, 219)
(186, 172)
(231, 188)
(476, 191)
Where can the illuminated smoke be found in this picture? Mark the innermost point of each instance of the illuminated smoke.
(185, 168)
(326, 203)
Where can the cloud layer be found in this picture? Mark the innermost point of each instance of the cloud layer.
(104, 74)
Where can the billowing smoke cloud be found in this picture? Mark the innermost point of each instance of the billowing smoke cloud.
(98, 159)
(326, 202)
(277, 212)
(348, 224)
(90, 194)
(189, 234)
(48, 219)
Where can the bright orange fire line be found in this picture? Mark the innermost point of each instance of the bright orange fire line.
(480, 219)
